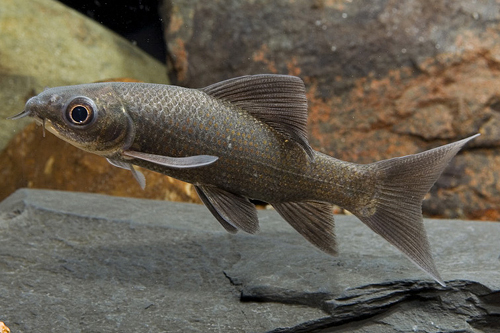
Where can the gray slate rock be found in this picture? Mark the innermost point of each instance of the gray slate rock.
(73, 262)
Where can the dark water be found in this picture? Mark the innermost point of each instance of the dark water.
(136, 20)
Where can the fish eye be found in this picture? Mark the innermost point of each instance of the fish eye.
(80, 111)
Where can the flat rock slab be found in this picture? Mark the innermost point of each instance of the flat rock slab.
(74, 262)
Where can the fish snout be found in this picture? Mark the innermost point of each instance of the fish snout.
(32, 105)
(31, 108)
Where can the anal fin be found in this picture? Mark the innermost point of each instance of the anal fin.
(313, 220)
(231, 210)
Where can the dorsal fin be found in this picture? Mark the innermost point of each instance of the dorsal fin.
(278, 100)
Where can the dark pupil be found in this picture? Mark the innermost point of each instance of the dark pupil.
(79, 114)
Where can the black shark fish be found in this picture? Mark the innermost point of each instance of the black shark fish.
(242, 139)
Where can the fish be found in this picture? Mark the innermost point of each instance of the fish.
(246, 139)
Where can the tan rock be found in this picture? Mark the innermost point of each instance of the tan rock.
(50, 163)
(44, 44)
(4, 328)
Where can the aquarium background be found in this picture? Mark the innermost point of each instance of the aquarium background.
(383, 79)
(138, 21)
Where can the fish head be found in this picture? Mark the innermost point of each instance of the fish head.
(90, 117)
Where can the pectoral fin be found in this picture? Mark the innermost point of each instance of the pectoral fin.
(173, 162)
(313, 220)
(231, 210)
(127, 166)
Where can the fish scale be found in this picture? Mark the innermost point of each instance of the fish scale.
(229, 145)
(246, 138)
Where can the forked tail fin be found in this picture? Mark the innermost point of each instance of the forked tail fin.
(395, 212)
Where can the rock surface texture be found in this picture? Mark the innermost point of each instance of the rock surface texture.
(88, 263)
(33, 161)
(384, 78)
(46, 44)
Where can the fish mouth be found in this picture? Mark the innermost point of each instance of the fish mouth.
(24, 113)
(27, 112)
(38, 120)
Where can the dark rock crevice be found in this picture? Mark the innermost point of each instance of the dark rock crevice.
(469, 301)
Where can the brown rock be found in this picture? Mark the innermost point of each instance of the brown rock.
(50, 163)
(384, 78)
(4, 328)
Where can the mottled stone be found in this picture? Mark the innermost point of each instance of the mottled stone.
(45, 44)
(72, 262)
(3, 328)
(33, 161)
(383, 78)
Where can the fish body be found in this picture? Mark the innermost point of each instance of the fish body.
(242, 139)
(254, 160)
